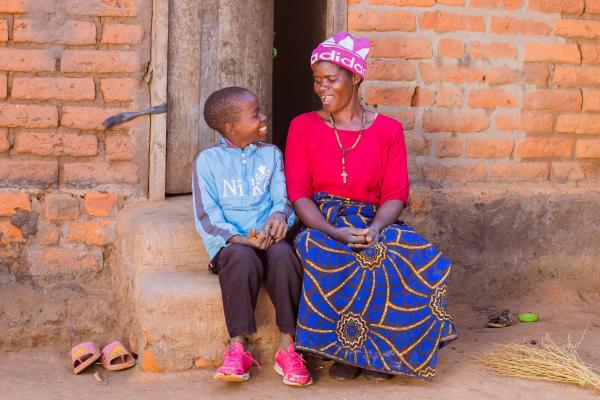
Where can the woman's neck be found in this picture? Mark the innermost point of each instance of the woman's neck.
(353, 112)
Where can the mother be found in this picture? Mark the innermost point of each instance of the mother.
(374, 294)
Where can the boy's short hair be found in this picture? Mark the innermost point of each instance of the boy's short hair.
(222, 106)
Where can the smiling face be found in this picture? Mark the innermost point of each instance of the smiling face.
(335, 86)
(251, 124)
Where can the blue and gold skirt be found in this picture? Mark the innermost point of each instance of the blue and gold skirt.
(383, 308)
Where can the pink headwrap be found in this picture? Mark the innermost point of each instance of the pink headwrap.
(344, 50)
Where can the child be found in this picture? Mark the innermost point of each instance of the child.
(242, 213)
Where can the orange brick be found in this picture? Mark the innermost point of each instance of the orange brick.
(565, 171)
(583, 124)
(454, 172)
(536, 147)
(406, 117)
(492, 98)
(61, 206)
(47, 88)
(63, 261)
(404, 3)
(102, 8)
(10, 202)
(3, 30)
(396, 48)
(86, 117)
(100, 204)
(505, 4)
(91, 174)
(26, 60)
(47, 234)
(515, 26)
(558, 6)
(10, 234)
(382, 21)
(576, 76)
(452, 122)
(591, 99)
(587, 148)
(28, 116)
(389, 95)
(121, 89)
(527, 122)
(98, 233)
(554, 53)
(118, 148)
(64, 32)
(122, 33)
(530, 74)
(4, 143)
(551, 99)
(26, 173)
(3, 86)
(423, 97)
(26, 6)
(449, 147)
(431, 73)
(441, 21)
(520, 172)
(577, 28)
(100, 61)
(592, 6)
(451, 48)
(449, 96)
(391, 71)
(459, 3)
(492, 50)
(590, 53)
(489, 147)
(417, 145)
(52, 143)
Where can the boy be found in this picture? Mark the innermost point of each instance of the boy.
(242, 213)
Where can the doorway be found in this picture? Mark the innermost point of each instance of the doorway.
(299, 28)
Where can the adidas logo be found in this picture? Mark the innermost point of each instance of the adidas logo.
(338, 58)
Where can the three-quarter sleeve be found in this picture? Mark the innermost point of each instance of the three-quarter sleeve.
(395, 185)
(297, 169)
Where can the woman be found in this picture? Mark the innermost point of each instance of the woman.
(374, 291)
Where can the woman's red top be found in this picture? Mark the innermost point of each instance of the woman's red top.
(376, 167)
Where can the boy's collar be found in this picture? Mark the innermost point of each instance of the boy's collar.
(227, 144)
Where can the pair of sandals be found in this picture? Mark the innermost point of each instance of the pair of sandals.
(114, 356)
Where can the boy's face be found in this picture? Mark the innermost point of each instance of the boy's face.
(251, 125)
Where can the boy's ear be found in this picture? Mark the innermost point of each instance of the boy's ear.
(228, 129)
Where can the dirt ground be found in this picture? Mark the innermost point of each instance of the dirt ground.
(45, 374)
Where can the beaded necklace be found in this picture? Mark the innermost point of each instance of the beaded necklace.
(344, 174)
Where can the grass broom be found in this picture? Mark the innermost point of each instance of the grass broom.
(550, 361)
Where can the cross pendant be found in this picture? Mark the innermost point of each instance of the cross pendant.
(344, 175)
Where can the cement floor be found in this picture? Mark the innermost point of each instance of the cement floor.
(45, 374)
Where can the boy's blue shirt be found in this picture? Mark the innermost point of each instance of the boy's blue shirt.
(235, 190)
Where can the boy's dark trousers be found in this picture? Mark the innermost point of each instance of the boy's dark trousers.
(241, 271)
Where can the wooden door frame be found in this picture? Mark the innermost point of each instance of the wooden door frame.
(336, 21)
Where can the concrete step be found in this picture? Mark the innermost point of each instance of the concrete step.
(173, 304)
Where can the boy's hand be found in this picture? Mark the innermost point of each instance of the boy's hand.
(259, 240)
(276, 226)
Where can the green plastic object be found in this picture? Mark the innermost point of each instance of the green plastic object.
(528, 317)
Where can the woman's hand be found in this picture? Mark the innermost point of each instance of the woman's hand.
(371, 239)
(350, 236)
(276, 226)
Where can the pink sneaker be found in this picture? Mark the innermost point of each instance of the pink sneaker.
(236, 364)
(292, 367)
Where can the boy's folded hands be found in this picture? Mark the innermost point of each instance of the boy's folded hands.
(274, 230)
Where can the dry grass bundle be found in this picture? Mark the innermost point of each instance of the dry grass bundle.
(551, 361)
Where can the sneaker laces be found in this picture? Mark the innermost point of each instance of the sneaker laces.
(297, 360)
(232, 353)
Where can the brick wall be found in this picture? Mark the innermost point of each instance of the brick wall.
(66, 65)
(495, 92)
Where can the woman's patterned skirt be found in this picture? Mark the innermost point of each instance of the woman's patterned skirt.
(383, 308)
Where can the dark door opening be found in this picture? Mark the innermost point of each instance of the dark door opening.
(299, 28)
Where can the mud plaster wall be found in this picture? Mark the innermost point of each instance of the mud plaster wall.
(66, 65)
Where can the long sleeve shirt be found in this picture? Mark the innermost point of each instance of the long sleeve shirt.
(377, 167)
(235, 190)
